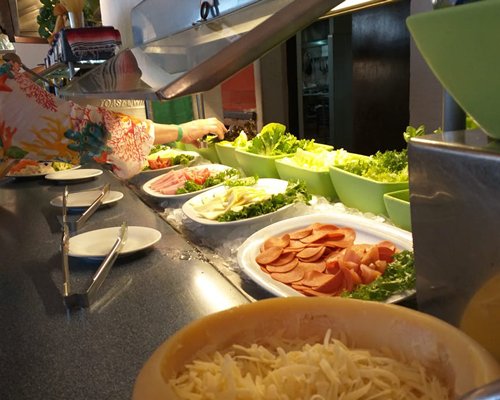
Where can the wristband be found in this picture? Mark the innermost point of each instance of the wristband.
(180, 133)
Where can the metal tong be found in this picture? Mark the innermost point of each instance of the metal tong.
(76, 225)
(85, 299)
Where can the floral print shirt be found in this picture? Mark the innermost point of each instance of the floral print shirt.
(37, 125)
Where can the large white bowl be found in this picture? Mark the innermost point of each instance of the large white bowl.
(456, 358)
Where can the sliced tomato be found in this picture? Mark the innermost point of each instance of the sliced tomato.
(198, 176)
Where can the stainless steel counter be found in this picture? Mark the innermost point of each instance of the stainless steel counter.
(47, 352)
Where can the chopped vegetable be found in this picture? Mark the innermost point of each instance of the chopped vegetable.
(32, 167)
(247, 181)
(388, 166)
(318, 161)
(295, 192)
(212, 180)
(398, 277)
(162, 156)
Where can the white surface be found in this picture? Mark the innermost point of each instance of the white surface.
(272, 186)
(74, 174)
(367, 231)
(116, 13)
(98, 243)
(214, 169)
(85, 199)
(32, 54)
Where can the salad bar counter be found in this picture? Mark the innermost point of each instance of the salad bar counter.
(187, 253)
(194, 239)
(50, 352)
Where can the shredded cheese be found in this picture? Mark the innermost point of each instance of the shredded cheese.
(320, 371)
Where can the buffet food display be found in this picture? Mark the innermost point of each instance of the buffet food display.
(332, 268)
(312, 348)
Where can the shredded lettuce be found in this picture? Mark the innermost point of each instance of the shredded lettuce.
(318, 161)
(387, 166)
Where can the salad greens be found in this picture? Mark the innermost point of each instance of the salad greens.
(274, 140)
(413, 132)
(295, 192)
(61, 165)
(247, 181)
(398, 277)
(386, 166)
(318, 161)
(240, 141)
(161, 156)
(159, 147)
(223, 176)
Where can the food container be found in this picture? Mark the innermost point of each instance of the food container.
(397, 205)
(317, 182)
(225, 152)
(460, 44)
(257, 164)
(365, 194)
(208, 153)
(453, 356)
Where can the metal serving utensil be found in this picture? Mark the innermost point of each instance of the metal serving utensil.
(75, 225)
(85, 299)
(93, 207)
(65, 245)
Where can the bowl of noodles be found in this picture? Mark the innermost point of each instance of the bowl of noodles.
(316, 348)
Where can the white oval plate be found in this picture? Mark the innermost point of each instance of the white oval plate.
(367, 231)
(74, 174)
(98, 243)
(39, 174)
(214, 168)
(86, 198)
(272, 185)
(174, 153)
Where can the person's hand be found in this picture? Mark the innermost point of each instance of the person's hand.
(195, 130)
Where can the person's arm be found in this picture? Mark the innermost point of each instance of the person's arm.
(188, 132)
(37, 125)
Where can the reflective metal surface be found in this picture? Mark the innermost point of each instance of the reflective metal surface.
(455, 209)
(175, 61)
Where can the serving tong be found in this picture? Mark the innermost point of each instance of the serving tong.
(76, 225)
(85, 299)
